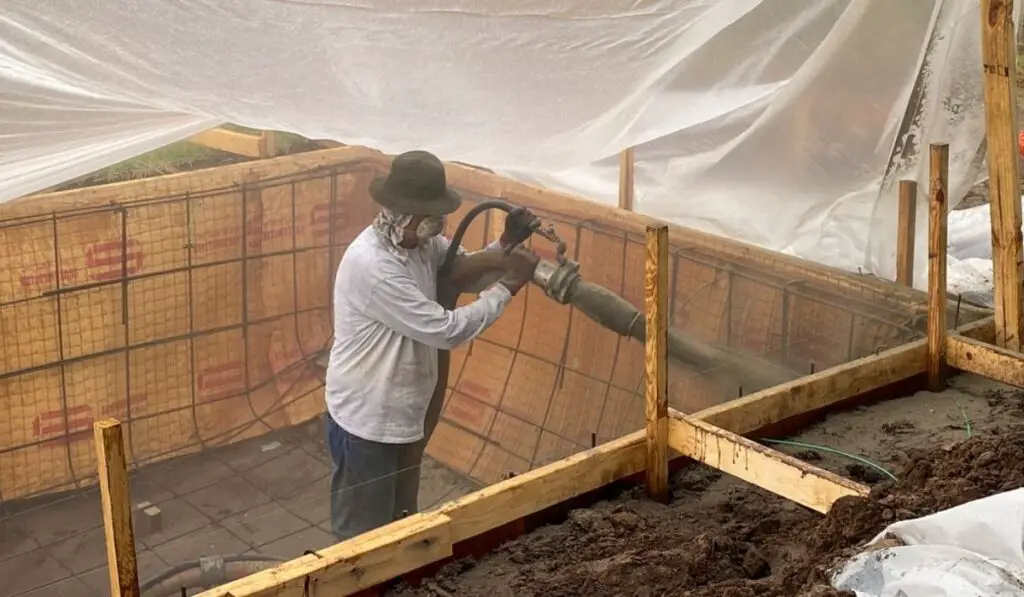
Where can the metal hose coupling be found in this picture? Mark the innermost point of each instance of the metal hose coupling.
(557, 280)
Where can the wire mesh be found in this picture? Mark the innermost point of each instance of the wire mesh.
(196, 319)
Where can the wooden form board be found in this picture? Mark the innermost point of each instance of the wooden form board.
(783, 475)
(516, 498)
(253, 146)
(987, 360)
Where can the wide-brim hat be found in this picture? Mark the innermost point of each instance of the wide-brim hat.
(416, 185)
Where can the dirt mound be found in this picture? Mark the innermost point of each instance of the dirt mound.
(722, 538)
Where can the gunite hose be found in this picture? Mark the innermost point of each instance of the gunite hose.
(619, 315)
(562, 282)
(448, 297)
(205, 573)
(460, 231)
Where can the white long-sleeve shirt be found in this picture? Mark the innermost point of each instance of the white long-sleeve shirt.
(387, 329)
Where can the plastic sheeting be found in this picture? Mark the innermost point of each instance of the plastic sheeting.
(973, 549)
(768, 121)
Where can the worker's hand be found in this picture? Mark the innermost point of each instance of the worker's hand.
(520, 223)
(519, 266)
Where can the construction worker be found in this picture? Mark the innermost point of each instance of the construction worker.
(388, 328)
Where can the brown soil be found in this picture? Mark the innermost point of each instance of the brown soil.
(721, 537)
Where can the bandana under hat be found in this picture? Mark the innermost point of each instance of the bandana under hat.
(390, 225)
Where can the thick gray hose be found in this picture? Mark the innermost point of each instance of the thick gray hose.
(190, 574)
(619, 315)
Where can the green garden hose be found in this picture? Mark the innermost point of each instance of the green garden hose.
(817, 448)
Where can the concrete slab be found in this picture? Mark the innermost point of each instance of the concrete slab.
(144, 488)
(61, 518)
(13, 539)
(250, 454)
(188, 473)
(269, 494)
(69, 587)
(283, 477)
(207, 541)
(295, 544)
(82, 551)
(264, 524)
(311, 503)
(97, 581)
(226, 498)
(179, 518)
(31, 570)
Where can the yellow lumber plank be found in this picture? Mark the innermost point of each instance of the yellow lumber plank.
(546, 486)
(112, 470)
(999, 59)
(253, 146)
(937, 214)
(656, 268)
(769, 469)
(993, 362)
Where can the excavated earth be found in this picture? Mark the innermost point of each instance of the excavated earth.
(720, 537)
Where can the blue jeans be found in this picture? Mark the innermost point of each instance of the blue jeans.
(372, 484)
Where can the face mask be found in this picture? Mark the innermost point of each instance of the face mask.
(430, 227)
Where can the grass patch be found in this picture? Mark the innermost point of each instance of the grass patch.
(182, 156)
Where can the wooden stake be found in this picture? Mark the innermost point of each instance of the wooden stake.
(112, 469)
(656, 361)
(268, 144)
(999, 56)
(938, 169)
(627, 184)
(906, 222)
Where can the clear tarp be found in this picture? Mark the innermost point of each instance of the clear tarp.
(778, 122)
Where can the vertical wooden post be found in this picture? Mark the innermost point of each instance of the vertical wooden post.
(627, 183)
(656, 361)
(999, 57)
(268, 144)
(906, 223)
(938, 169)
(112, 469)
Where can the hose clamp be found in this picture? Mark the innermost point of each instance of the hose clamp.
(557, 280)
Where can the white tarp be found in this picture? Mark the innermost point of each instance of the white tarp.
(769, 121)
(974, 549)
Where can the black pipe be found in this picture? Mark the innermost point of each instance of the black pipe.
(453, 248)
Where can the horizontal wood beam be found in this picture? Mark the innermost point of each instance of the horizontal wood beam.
(354, 565)
(253, 146)
(541, 488)
(987, 360)
(779, 473)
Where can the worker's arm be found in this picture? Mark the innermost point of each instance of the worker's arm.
(398, 303)
(472, 272)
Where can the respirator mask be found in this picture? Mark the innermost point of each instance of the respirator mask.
(430, 227)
